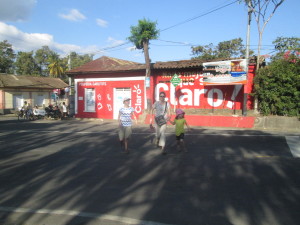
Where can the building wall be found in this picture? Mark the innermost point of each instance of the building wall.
(191, 93)
(10, 97)
(2, 102)
(105, 102)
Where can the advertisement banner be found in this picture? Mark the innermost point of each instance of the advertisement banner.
(192, 93)
(230, 72)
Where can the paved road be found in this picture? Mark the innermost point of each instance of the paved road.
(72, 172)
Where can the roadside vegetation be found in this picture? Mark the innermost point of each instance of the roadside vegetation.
(277, 85)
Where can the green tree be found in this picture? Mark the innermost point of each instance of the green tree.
(26, 65)
(140, 37)
(277, 87)
(77, 60)
(56, 70)
(231, 49)
(42, 58)
(286, 44)
(7, 57)
(227, 49)
(56, 67)
(205, 52)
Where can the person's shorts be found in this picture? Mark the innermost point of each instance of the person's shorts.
(180, 137)
(125, 132)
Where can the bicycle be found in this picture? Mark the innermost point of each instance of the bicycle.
(24, 114)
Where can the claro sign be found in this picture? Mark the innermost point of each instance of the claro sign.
(192, 93)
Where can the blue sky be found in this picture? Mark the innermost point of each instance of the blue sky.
(98, 26)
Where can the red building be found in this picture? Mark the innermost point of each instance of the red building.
(100, 85)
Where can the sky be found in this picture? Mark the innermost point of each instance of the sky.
(101, 27)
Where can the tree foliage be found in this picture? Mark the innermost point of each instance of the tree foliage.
(56, 69)
(43, 58)
(7, 57)
(227, 49)
(26, 65)
(77, 60)
(143, 32)
(284, 45)
(278, 87)
(42, 62)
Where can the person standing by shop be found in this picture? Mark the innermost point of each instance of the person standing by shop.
(161, 111)
(64, 110)
(125, 123)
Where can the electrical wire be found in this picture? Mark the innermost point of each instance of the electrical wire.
(180, 23)
(196, 17)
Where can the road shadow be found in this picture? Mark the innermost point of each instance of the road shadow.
(232, 178)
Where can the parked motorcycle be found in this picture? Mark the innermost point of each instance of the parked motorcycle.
(39, 113)
(53, 112)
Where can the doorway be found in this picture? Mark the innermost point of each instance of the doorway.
(119, 95)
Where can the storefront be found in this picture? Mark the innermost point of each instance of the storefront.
(100, 87)
(103, 97)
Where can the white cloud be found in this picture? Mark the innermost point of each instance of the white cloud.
(73, 15)
(114, 42)
(101, 23)
(16, 10)
(132, 48)
(22, 41)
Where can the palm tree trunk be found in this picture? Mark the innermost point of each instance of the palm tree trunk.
(148, 73)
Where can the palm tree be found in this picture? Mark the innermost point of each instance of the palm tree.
(140, 37)
(55, 68)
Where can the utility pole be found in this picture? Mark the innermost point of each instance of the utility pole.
(247, 55)
(69, 67)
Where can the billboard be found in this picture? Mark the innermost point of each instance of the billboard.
(230, 72)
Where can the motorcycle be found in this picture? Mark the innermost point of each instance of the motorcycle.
(39, 113)
(53, 112)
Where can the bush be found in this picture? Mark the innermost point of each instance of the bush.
(278, 87)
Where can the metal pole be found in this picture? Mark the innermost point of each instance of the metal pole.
(247, 56)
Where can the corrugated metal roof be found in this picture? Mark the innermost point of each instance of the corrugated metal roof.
(109, 64)
(178, 64)
(10, 80)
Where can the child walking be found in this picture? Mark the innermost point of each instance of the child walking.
(125, 123)
(179, 123)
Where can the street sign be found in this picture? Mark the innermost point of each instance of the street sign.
(175, 80)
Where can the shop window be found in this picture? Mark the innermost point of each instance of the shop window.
(40, 100)
(89, 100)
(17, 101)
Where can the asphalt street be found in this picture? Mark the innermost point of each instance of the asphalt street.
(74, 172)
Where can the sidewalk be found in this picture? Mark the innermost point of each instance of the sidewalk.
(239, 122)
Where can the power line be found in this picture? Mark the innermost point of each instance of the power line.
(186, 21)
(196, 17)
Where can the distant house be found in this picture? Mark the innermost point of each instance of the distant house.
(14, 90)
